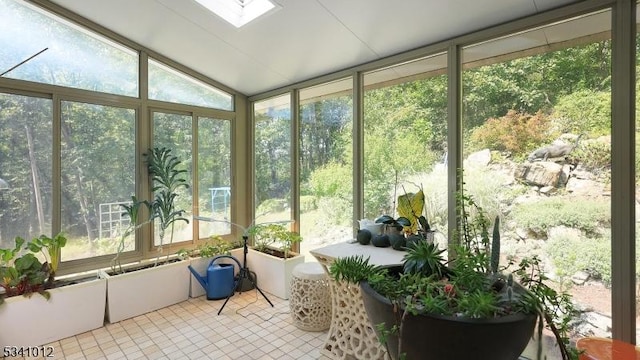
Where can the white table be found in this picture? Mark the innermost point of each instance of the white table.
(351, 335)
(376, 255)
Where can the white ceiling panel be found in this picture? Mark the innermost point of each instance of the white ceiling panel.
(301, 39)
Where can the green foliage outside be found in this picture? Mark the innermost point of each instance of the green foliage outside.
(405, 128)
(515, 133)
(270, 206)
(331, 180)
(594, 155)
(588, 215)
(571, 254)
(332, 190)
(489, 190)
(308, 203)
(585, 111)
(273, 155)
(534, 83)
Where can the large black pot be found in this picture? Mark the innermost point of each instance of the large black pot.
(449, 338)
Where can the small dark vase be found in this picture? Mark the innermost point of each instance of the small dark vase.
(381, 240)
(364, 236)
(448, 337)
(397, 241)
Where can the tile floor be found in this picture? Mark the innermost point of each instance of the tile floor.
(248, 328)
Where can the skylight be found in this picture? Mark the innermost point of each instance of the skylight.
(238, 12)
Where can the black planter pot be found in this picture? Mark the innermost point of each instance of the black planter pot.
(449, 338)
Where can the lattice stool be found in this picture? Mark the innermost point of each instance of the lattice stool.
(310, 298)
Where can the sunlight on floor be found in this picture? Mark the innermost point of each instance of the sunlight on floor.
(247, 328)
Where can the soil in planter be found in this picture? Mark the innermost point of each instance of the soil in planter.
(128, 269)
(56, 284)
(277, 253)
(65, 282)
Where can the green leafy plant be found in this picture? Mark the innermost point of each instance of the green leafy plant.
(411, 207)
(50, 248)
(167, 180)
(411, 221)
(25, 274)
(472, 285)
(215, 246)
(131, 211)
(266, 236)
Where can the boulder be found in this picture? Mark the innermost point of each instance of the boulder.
(584, 187)
(480, 158)
(543, 173)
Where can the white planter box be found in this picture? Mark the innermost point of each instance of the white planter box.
(71, 310)
(273, 273)
(201, 264)
(139, 292)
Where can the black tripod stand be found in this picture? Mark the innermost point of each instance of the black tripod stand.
(243, 275)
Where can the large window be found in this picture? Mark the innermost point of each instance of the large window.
(69, 164)
(326, 164)
(96, 142)
(68, 54)
(98, 171)
(167, 84)
(25, 167)
(174, 131)
(405, 138)
(537, 152)
(273, 159)
(214, 175)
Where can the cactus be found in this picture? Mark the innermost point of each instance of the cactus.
(495, 246)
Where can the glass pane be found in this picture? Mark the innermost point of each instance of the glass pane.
(537, 127)
(637, 154)
(273, 159)
(25, 167)
(74, 57)
(175, 132)
(405, 136)
(170, 85)
(326, 165)
(214, 175)
(98, 172)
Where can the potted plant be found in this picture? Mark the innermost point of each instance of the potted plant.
(145, 287)
(271, 257)
(67, 307)
(465, 307)
(410, 226)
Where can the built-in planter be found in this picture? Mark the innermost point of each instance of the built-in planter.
(447, 337)
(200, 264)
(273, 273)
(35, 321)
(138, 292)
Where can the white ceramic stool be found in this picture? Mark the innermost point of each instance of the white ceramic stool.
(310, 298)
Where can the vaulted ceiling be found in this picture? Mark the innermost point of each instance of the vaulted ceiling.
(301, 39)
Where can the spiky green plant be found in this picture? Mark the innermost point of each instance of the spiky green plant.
(131, 211)
(353, 269)
(167, 179)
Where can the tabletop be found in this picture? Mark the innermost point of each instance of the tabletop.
(376, 255)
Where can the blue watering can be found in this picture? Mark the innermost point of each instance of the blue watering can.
(219, 281)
